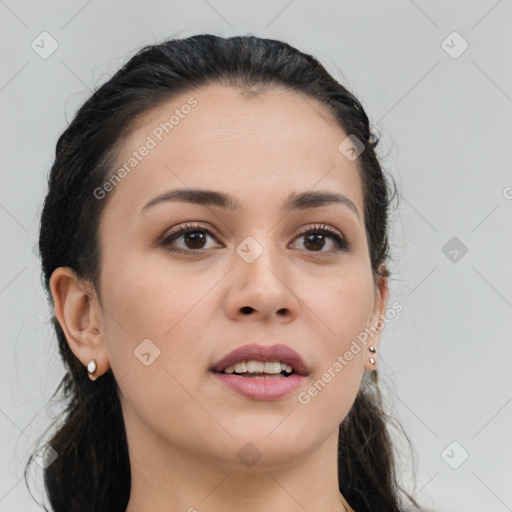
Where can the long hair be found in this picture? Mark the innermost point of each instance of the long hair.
(92, 470)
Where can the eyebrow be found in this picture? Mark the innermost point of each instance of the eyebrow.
(296, 201)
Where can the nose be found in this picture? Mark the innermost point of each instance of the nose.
(262, 286)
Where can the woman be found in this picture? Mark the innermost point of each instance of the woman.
(214, 243)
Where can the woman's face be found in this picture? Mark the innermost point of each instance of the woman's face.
(171, 310)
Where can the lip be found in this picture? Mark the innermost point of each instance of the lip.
(267, 388)
(256, 352)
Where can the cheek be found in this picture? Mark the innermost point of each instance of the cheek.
(332, 391)
(165, 306)
(344, 306)
(145, 297)
(153, 334)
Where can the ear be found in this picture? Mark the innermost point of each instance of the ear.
(376, 320)
(79, 314)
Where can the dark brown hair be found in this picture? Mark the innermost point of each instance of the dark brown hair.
(92, 470)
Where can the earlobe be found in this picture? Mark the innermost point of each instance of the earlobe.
(75, 311)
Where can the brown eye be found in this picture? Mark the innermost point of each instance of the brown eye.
(194, 237)
(315, 239)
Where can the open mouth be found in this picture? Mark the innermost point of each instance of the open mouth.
(260, 380)
(259, 370)
(254, 361)
(263, 375)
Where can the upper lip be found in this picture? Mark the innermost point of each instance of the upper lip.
(255, 352)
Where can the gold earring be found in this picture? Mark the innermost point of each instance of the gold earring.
(373, 351)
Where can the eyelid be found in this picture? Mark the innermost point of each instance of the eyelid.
(190, 225)
(198, 225)
(320, 227)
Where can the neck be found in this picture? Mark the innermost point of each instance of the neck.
(181, 478)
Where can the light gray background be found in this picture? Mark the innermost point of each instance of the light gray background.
(446, 136)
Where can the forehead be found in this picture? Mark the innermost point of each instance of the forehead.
(220, 137)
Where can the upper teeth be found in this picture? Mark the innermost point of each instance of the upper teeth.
(273, 367)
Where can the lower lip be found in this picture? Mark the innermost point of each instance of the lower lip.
(262, 389)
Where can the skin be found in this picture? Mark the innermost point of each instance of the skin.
(185, 428)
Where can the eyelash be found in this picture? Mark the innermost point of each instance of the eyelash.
(339, 241)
